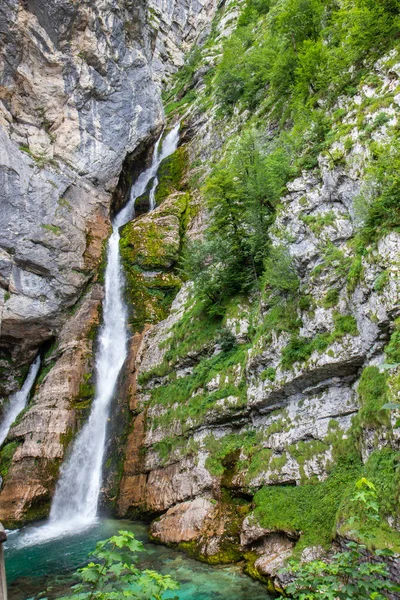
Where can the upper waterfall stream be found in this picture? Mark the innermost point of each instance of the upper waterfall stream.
(77, 493)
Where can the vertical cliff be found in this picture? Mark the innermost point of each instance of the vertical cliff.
(79, 92)
(257, 406)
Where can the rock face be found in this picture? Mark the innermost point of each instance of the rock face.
(184, 522)
(242, 430)
(42, 434)
(76, 96)
(79, 92)
(176, 25)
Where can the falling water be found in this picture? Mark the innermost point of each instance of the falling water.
(18, 400)
(76, 497)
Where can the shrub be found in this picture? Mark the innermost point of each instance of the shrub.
(116, 575)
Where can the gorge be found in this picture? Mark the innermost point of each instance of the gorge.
(199, 280)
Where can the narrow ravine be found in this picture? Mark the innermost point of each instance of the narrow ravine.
(77, 493)
(19, 400)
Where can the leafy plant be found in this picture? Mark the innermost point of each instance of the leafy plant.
(115, 575)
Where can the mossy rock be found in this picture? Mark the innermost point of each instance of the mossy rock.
(153, 241)
(170, 174)
(150, 248)
(6, 456)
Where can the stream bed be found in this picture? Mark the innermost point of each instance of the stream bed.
(50, 566)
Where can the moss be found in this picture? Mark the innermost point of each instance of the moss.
(170, 174)
(392, 350)
(309, 510)
(383, 469)
(44, 371)
(223, 454)
(149, 258)
(381, 281)
(269, 374)
(249, 569)
(317, 223)
(331, 298)
(173, 445)
(53, 228)
(304, 451)
(6, 456)
(372, 392)
(186, 399)
(87, 391)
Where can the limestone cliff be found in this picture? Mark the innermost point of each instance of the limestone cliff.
(79, 92)
(276, 407)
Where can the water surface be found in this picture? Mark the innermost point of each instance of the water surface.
(31, 569)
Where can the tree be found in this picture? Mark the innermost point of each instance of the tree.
(115, 575)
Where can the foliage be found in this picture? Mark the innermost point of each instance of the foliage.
(6, 455)
(115, 576)
(242, 193)
(351, 574)
(310, 508)
(382, 213)
(372, 391)
(280, 274)
(297, 51)
(392, 350)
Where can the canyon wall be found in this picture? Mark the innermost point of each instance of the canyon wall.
(240, 434)
(79, 92)
(245, 422)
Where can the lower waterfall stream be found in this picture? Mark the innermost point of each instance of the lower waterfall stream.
(18, 400)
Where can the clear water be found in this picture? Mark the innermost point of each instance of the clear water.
(18, 400)
(31, 569)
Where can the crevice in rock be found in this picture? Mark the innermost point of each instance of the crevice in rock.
(134, 164)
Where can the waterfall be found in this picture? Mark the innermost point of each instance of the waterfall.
(76, 497)
(18, 401)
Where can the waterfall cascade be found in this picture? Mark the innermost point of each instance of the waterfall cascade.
(76, 497)
(18, 401)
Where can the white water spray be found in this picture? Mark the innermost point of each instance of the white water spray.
(18, 401)
(77, 493)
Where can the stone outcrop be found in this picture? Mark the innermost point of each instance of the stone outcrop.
(76, 96)
(43, 432)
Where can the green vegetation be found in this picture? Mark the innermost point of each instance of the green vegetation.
(53, 228)
(299, 349)
(392, 350)
(242, 193)
(302, 50)
(87, 390)
(153, 245)
(6, 455)
(308, 508)
(372, 391)
(115, 574)
(186, 398)
(356, 573)
(171, 173)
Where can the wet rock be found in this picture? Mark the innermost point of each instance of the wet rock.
(184, 522)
